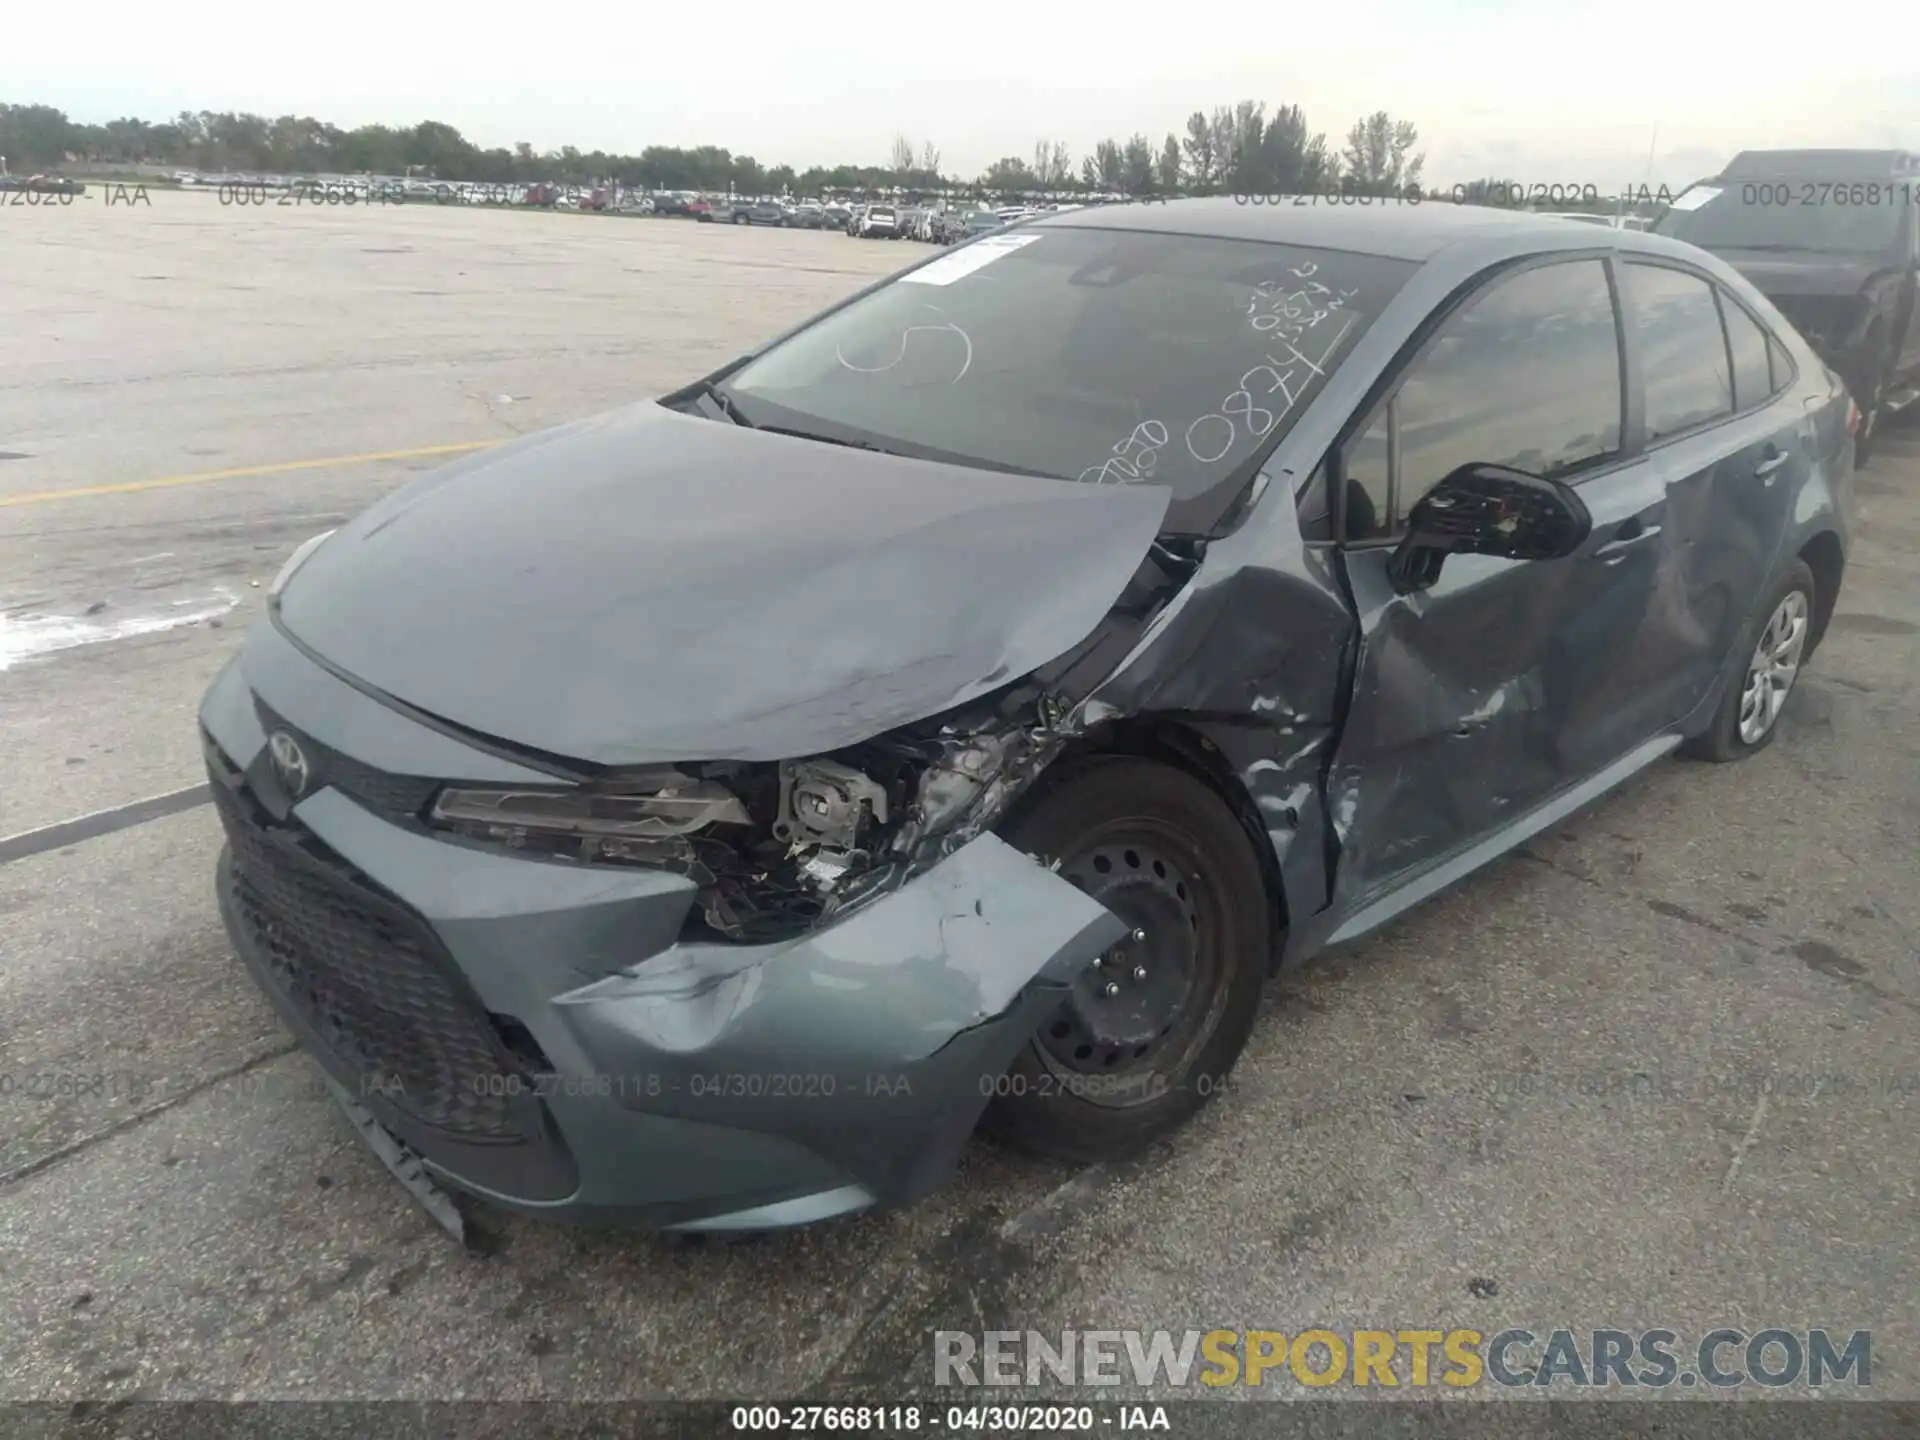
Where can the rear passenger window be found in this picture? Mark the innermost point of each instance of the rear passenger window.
(1683, 347)
(1747, 343)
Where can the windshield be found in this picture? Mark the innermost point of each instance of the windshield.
(1785, 215)
(1105, 356)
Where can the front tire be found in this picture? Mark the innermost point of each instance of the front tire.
(1150, 1029)
(1871, 415)
(1776, 645)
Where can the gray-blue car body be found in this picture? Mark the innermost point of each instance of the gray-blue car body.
(983, 728)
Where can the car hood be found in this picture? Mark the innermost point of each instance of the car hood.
(650, 586)
(1801, 273)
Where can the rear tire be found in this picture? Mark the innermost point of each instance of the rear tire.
(1870, 403)
(1749, 713)
(1151, 1029)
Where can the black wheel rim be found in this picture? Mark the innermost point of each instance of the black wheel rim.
(1137, 1015)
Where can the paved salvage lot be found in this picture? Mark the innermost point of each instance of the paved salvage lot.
(1658, 1070)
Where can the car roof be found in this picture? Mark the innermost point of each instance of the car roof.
(1392, 229)
(1821, 164)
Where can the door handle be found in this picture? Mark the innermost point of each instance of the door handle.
(1634, 530)
(1769, 466)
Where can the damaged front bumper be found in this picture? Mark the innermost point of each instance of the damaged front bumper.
(540, 1034)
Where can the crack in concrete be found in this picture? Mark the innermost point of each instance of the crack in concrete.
(121, 1126)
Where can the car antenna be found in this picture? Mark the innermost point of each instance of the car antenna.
(1646, 180)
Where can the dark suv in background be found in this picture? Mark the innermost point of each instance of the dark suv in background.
(759, 212)
(1830, 237)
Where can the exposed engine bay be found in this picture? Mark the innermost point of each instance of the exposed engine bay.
(779, 847)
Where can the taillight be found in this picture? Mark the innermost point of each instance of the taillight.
(1853, 420)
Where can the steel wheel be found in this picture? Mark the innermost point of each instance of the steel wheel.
(1138, 1012)
(1773, 667)
(1166, 855)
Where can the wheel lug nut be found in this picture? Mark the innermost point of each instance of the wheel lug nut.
(1112, 989)
(1139, 972)
(1139, 935)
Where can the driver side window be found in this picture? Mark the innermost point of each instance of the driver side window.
(1526, 374)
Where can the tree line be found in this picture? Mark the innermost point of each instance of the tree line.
(1234, 148)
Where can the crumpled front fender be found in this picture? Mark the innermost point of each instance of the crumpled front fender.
(874, 1042)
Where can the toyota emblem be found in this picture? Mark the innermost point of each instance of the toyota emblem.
(289, 763)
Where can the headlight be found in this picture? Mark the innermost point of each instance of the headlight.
(294, 562)
(591, 824)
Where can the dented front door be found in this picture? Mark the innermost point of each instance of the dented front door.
(1480, 697)
(1449, 730)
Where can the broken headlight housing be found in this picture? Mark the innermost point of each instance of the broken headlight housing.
(765, 844)
(776, 848)
(647, 824)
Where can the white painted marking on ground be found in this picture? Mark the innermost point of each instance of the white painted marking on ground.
(1074, 1194)
(29, 637)
(1746, 1144)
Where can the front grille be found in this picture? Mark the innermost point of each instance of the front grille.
(403, 796)
(367, 977)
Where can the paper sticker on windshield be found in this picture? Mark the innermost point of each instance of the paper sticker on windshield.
(1695, 198)
(967, 259)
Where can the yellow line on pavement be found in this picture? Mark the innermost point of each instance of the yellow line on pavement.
(242, 472)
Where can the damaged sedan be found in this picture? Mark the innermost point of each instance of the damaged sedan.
(955, 712)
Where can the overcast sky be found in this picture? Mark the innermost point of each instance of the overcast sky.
(1572, 93)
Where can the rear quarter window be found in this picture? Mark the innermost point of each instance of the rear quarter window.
(1747, 344)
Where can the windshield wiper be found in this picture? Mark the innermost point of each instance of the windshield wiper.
(939, 457)
(726, 404)
(826, 439)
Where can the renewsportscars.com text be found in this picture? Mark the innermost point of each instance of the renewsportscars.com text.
(1410, 1358)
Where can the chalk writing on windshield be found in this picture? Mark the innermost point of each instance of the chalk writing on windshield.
(1212, 436)
(1285, 312)
(946, 327)
(1133, 459)
(1274, 307)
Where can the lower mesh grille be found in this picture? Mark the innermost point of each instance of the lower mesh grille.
(365, 975)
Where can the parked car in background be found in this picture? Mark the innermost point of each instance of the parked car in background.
(836, 213)
(741, 211)
(42, 185)
(980, 222)
(808, 215)
(1138, 698)
(678, 203)
(880, 222)
(1830, 237)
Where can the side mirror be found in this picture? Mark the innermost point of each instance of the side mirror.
(1488, 510)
